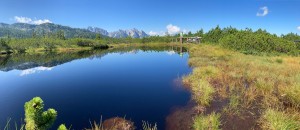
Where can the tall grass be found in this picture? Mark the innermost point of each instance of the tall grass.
(209, 122)
(96, 126)
(276, 120)
(201, 88)
(250, 83)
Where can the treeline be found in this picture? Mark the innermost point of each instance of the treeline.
(249, 41)
(12, 45)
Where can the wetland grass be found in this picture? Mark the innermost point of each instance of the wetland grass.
(253, 86)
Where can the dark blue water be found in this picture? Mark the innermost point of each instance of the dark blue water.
(138, 85)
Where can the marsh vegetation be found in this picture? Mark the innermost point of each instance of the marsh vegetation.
(255, 90)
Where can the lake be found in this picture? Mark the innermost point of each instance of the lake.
(140, 84)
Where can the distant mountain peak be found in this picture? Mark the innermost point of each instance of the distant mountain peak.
(25, 30)
(134, 33)
(98, 30)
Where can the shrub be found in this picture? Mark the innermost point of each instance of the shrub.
(253, 43)
(84, 42)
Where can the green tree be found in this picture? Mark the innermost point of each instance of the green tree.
(60, 35)
(33, 34)
(213, 35)
(98, 37)
(199, 33)
(291, 36)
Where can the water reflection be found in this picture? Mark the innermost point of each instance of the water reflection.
(35, 70)
(46, 61)
(171, 52)
(140, 83)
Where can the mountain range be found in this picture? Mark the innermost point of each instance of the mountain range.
(23, 30)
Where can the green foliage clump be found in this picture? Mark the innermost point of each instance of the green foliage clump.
(209, 122)
(84, 42)
(35, 116)
(3, 45)
(62, 127)
(257, 42)
(292, 37)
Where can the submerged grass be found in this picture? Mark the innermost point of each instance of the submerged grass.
(148, 126)
(252, 85)
(8, 125)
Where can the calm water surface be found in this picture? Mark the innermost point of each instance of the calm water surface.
(82, 87)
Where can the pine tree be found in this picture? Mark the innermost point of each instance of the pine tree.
(35, 116)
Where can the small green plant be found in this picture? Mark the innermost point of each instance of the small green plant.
(148, 126)
(209, 122)
(35, 116)
(234, 101)
(279, 61)
(62, 127)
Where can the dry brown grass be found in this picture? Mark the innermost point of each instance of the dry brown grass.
(250, 83)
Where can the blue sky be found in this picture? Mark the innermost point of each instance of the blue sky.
(276, 16)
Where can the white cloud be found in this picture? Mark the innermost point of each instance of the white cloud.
(35, 70)
(152, 33)
(22, 19)
(30, 21)
(298, 28)
(171, 29)
(38, 22)
(263, 11)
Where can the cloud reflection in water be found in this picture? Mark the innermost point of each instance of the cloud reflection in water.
(35, 70)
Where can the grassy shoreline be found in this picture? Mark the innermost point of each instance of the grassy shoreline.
(80, 48)
(256, 90)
